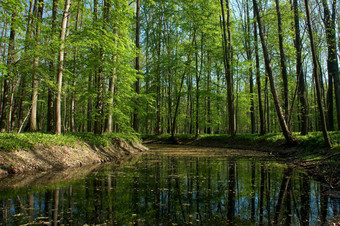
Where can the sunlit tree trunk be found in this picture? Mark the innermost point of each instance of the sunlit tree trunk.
(10, 62)
(35, 81)
(61, 68)
(283, 66)
(73, 95)
(249, 59)
(299, 72)
(136, 115)
(258, 82)
(287, 134)
(316, 72)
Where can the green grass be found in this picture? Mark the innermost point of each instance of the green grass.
(26, 141)
(309, 147)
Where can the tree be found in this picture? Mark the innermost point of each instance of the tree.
(317, 78)
(61, 68)
(332, 64)
(135, 115)
(286, 132)
(299, 72)
(10, 65)
(35, 81)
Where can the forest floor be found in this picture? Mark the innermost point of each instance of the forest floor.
(309, 153)
(29, 152)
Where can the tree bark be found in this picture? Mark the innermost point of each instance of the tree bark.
(35, 81)
(287, 134)
(332, 64)
(251, 79)
(10, 62)
(136, 115)
(283, 67)
(61, 68)
(258, 82)
(316, 72)
(299, 72)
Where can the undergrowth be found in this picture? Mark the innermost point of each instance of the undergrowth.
(26, 141)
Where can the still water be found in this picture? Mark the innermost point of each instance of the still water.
(173, 185)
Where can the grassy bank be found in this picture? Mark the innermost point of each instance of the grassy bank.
(308, 147)
(26, 141)
(41, 151)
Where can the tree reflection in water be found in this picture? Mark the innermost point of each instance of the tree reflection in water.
(171, 189)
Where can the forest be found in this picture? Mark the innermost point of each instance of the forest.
(174, 67)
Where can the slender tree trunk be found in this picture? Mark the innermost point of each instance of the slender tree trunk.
(10, 62)
(158, 90)
(299, 72)
(287, 134)
(50, 98)
(283, 64)
(332, 64)
(229, 79)
(251, 80)
(209, 129)
(230, 82)
(61, 68)
(35, 81)
(73, 95)
(136, 115)
(24, 76)
(111, 91)
(100, 80)
(316, 72)
(258, 82)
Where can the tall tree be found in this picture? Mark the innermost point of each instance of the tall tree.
(316, 72)
(258, 82)
(61, 68)
(283, 63)
(286, 132)
(50, 98)
(10, 65)
(299, 72)
(135, 115)
(332, 64)
(35, 81)
(228, 70)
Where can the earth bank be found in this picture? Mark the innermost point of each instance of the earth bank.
(42, 158)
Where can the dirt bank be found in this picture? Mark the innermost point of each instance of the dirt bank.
(40, 158)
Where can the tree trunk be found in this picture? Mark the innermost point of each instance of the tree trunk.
(229, 79)
(283, 67)
(135, 115)
(299, 72)
(50, 98)
(73, 96)
(10, 62)
(249, 59)
(61, 68)
(35, 81)
(317, 79)
(287, 134)
(258, 82)
(332, 65)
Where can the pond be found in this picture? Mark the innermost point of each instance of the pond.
(173, 185)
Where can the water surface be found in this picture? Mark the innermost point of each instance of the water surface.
(171, 185)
